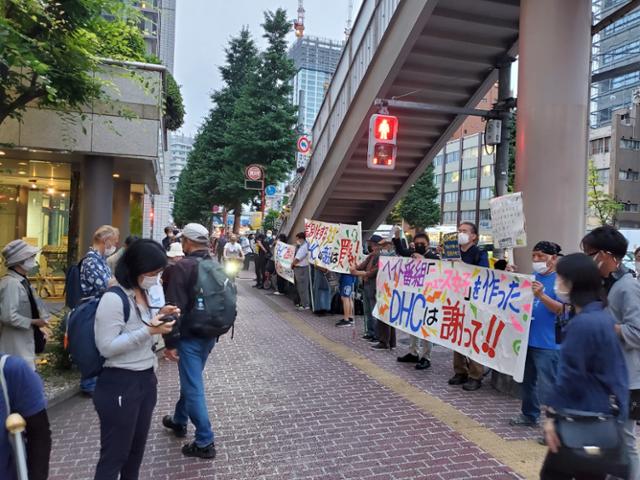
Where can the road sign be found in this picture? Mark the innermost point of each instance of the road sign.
(271, 190)
(304, 144)
(253, 172)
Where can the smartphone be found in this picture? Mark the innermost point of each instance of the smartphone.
(168, 318)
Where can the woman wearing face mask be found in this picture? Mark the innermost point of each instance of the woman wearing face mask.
(126, 390)
(592, 375)
(96, 276)
(542, 354)
(20, 311)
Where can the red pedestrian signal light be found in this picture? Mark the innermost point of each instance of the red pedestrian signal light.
(383, 130)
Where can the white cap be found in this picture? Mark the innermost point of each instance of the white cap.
(195, 232)
(175, 250)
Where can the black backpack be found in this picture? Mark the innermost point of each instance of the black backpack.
(214, 310)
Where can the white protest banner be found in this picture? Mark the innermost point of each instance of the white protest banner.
(284, 257)
(507, 221)
(483, 314)
(334, 246)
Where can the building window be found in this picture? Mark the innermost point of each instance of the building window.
(452, 157)
(603, 175)
(630, 207)
(468, 195)
(450, 217)
(629, 174)
(451, 197)
(485, 214)
(437, 180)
(470, 154)
(487, 170)
(486, 193)
(468, 215)
(629, 144)
(600, 145)
(452, 177)
(469, 173)
(437, 161)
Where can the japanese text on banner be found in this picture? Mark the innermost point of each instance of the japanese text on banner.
(481, 313)
(334, 246)
(283, 258)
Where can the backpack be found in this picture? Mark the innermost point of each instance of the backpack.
(72, 286)
(80, 335)
(214, 310)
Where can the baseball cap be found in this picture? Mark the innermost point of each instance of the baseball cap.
(375, 238)
(195, 232)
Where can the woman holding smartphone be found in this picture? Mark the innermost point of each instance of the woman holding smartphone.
(126, 390)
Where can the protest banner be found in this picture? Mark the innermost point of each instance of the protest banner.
(284, 257)
(507, 221)
(481, 313)
(333, 246)
(451, 248)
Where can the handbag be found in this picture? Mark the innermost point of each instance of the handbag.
(591, 443)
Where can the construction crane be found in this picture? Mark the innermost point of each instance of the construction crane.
(347, 30)
(298, 24)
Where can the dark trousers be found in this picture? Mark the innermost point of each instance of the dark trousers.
(552, 469)
(261, 263)
(386, 334)
(281, 283)
(124, 400)
(247, 261)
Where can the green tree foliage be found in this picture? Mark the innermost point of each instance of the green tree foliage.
(252, 121)
(419, 207)
(174, 107)
(395, 216)
(603, 205)
(270, 220)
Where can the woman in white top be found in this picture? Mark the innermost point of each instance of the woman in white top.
(126, 390)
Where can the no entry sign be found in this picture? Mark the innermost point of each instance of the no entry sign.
(304, 144)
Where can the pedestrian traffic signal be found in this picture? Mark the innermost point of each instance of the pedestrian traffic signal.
(383, 132)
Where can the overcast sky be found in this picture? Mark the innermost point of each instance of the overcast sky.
(204, 27)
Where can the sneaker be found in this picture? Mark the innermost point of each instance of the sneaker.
(368, 337)
(277, 293)
(542, 441)
(192, 450)
(300, 307)
(408, 358)
(351, 322)
(423, 364)
(379, 346)
(343, 323)
(306, 308)
(373, 340)
(458, 379)
(472, 385)
(523, 421)
(178, 430)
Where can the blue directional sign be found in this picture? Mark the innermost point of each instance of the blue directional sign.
(271, 190)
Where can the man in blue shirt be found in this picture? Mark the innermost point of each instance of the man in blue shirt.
(542, 354)
(26, 397)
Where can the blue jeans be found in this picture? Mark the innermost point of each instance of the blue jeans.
(192, 404)
(88, 385)
(539, 376)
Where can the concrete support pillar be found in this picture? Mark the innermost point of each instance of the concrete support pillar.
(96, 197)
(122, 207)
(553, 109)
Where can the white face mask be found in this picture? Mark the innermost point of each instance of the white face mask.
(463, 238)
(540, 267)
(109, 251)
(562, 295)
(29, 264)
(149, 282)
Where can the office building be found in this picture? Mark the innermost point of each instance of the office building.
(179, 148)
(615, 151)
(615, 46)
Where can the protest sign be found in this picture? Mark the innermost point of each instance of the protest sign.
(507, 221)
(334, 246)
(451, 248)
(283, 258)
(481, 313)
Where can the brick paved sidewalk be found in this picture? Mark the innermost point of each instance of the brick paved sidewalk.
(286, 408)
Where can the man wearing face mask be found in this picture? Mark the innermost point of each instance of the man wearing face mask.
(191, 352)
(467, 372)
(96, 276)
(300, 266)
(607, 246)
(542, 354)
(20, 310)
(419, 349)
(368, 271)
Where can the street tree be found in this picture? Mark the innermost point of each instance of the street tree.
(419, 207)
(602, 204)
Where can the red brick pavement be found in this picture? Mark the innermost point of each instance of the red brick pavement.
(284, 408)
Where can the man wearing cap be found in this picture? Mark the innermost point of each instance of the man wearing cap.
(190, 352)
(20, 311)
(368, 271)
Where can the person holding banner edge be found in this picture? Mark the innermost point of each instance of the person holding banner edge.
(300, 266)
(368, 271)
(467, 372)
(542, 352)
